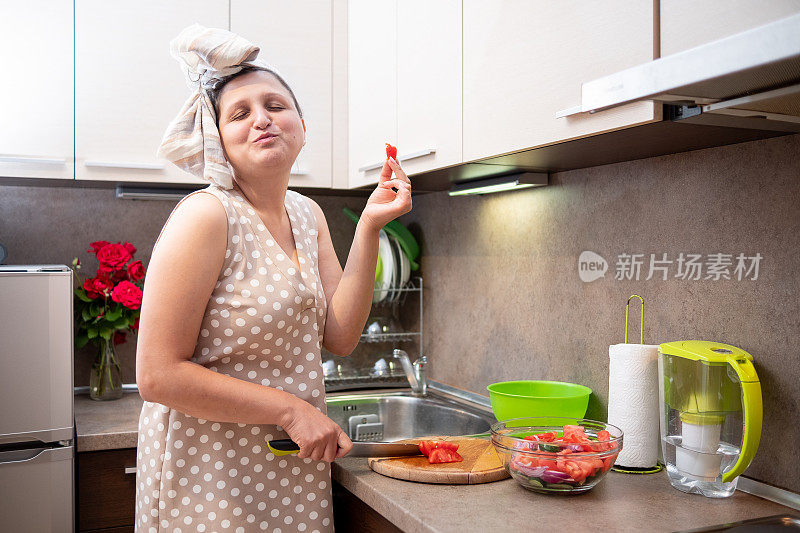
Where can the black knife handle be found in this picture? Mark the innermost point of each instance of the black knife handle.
(284, 445)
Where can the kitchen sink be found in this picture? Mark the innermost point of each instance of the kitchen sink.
(390, 416)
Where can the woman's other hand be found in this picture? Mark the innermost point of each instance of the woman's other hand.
(318, 437)
(385, 204)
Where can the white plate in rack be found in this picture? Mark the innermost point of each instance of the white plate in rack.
(396, 253)
(405, 266)
(385, 253)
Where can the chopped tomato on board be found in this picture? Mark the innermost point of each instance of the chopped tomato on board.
(391, 152)
(427, 446)
(444, 455)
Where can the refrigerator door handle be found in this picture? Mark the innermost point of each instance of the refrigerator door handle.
(35, 455)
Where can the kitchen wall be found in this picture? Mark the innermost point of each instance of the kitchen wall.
(504, 299)
(55, 224)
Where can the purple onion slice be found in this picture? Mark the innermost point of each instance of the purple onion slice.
(554, 476)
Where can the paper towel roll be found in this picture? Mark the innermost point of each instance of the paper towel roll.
(633, 402)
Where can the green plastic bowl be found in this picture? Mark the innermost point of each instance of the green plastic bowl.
(517, 399)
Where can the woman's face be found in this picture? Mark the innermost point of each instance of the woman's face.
(259, 125)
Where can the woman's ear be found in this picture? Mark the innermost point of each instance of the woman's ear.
(304, 131)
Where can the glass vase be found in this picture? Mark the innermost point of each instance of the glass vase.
(105, 379)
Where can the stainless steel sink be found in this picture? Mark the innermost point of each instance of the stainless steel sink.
(389, 416)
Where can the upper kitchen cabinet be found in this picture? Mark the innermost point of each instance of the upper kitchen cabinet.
(524, 61)
(37, 93)
(404, 85)
(295, 37)
(688, 23)
(428, 84)
(371, 87)
(128, 87)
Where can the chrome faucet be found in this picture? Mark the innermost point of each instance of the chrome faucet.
(415, 373)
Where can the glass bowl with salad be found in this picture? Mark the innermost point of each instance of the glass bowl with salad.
(557, 455)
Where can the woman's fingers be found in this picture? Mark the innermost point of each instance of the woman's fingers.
(397, 183)
(386, 172)
(330, 450)
(344, 444)
(398, 171)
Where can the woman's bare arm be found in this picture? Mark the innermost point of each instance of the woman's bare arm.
(347, 314)
(349, 292)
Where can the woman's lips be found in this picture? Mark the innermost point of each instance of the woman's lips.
(265, 139)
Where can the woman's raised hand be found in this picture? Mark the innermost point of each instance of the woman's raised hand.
(318, 437)
(385, 204)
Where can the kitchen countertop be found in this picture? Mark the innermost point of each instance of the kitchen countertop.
(619, 503)
(107, 425)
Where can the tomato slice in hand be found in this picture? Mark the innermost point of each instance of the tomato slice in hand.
(391, 152)
(444, 455)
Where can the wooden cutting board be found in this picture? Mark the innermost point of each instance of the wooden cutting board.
(481, 464)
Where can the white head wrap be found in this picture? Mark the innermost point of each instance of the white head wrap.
(192, 139)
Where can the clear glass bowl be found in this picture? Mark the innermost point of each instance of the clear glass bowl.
(556, 467)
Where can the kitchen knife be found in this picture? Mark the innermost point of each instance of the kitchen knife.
(360, 449)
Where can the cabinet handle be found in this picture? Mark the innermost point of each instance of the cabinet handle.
(406, 157)
(568, 112)
(135, 166)
(130, 469)
(32, 160)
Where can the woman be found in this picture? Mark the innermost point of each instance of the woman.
(243, 288)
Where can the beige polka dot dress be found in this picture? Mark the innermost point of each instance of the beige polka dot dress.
(263, 324)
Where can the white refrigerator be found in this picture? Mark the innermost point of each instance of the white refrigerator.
(37, 425)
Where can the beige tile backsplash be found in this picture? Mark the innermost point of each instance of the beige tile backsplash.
(503, 298)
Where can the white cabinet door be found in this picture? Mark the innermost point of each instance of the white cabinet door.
(36, 94)
(128, 86)
(372, 87)
(295, 38)
(428, 84)
(525, 60)
(688, 23)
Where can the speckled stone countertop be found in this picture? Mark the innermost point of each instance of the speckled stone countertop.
(107, 425)
(619, 503)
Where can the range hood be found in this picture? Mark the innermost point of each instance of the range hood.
(747, 80)
(743, 88)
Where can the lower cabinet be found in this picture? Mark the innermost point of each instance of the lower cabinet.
(107, 493)
(106, 490)
(351, 515)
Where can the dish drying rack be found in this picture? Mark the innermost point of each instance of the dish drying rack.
(392, 378)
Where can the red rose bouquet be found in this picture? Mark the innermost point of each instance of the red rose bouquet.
(107, 307)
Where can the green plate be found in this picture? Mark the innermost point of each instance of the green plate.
(394, 228)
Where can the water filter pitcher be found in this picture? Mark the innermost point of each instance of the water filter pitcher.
(711, 415)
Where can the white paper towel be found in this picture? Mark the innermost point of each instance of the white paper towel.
(633, 402)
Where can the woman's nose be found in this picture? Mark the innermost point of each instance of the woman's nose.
(261, 119)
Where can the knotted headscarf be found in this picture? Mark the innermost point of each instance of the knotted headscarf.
(192, 140)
